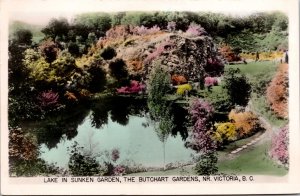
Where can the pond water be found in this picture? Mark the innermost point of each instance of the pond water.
(116, 123)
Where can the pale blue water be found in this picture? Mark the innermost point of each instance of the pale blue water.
(135, 142)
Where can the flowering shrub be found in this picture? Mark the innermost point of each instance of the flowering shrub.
(228, 54)
(246, 123)
(178, 79)
(215, 66)
(160, 48)
(195, 30)
(171, 26)
(201, 115)
(279, 148)
(135, 87)
(183, 88)
(225, 132)
(146, 31)
(48, 99)
(211, 81)
(277, 92)
(119, 170)
(115, 155)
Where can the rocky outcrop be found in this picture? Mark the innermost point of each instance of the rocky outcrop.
(193, 57)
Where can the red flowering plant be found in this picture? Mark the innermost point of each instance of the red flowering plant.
(135, 87)
(48, 100)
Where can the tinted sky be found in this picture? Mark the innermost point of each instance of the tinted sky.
(40, 11)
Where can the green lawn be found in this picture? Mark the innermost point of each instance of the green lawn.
(254, 69)
(253, 160)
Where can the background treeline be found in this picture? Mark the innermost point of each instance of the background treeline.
(255, 32)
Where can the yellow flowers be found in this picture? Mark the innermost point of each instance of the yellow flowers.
(225, 132)
(183, 88)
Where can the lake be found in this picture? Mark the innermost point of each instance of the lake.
(115, 123)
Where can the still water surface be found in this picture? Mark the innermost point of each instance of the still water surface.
(137, 143)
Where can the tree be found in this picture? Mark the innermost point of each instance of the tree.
(57, 28)
(49, 50)
(237, 86)
(158, 86)
(98, 77)
(23, 36)
(118, 69)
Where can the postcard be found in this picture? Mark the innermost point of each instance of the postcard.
(149, 97)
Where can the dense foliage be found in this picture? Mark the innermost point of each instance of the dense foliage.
(279, 148)
(200, 139)
(246, 123)
(237, 87)
(112, 54)
(277, 92)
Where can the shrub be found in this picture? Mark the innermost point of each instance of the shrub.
(160, 48)
(207, 164)
(195, 30)
(21, 145)
(237, 86)
(108, 53)
(214, 67)
(220, 100)
(49, 50)
(228, 54)
(225, 132)
(118, 69)
(201, 116)
(183, 89)
(277, 92)
(279, 148)
(135, 87)
(81, 163)
(246, 123)
(178, 79)
(211, 81)
(48, 99)
(146, 31)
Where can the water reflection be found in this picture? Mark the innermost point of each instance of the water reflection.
(118, 122)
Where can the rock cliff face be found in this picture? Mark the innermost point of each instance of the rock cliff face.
(193, 57)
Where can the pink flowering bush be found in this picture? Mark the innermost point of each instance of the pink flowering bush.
(48, 99)
(211, 81)
(115, 155)
(142, 30)
(201, 114)
(134, 88)
(279, 148)
(119, 170)
(160, 48)
(195, 30)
